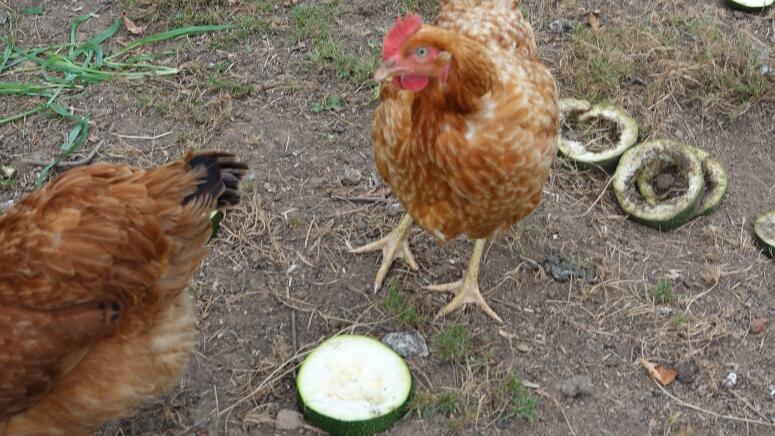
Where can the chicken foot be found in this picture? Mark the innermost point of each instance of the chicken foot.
(466, 290)
(393, 246)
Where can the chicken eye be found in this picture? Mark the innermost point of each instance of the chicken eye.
(421, 52)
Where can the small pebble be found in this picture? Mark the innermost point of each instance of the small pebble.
(394, 208)
(210, 66)
(576, 386)
(772, 392)
(524, 348)
(351, 177)
(731, 380)
(557, 26)
(289, 420)
(408, 343)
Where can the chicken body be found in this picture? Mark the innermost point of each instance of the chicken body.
(94, 313)
(466, 130)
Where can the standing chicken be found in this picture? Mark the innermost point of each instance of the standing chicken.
(95, 316)
(466, 130)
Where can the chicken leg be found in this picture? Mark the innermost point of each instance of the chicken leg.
(393, 246)
(466, 290)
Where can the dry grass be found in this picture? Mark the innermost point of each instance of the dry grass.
(692, 59)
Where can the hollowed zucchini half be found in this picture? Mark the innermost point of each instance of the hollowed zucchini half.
(583, 111)
(679, 198)
(716, 181)
(764, 232)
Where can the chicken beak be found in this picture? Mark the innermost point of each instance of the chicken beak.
(388, 69)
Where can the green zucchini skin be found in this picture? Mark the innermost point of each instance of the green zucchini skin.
(353, 428)
(661, 217)
(765, 242)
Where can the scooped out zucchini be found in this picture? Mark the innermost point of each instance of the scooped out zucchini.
(353, 386)
(750, 5)
(680, 191)
(716, 181)
(764, 232)
(582, 153)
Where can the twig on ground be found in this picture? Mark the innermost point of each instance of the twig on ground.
(68, 164)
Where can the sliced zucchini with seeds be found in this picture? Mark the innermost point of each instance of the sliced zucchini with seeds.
(716, 181)
(680, 195)
(584, 154)
(764, 232)
(750, 5)
(353, 385)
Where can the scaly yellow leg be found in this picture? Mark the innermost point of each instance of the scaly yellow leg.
(393, 246)
(466, 290)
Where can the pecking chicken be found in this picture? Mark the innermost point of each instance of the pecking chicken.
(465, 132)
(95, 316)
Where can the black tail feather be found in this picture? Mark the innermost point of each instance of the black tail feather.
(221, 183)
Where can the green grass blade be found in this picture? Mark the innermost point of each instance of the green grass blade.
(25, 89)
(6, 55)
(164, 36)
(25, 114)
(74, 30)
(106, 34)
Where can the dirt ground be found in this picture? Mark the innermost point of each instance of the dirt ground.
(280, 278)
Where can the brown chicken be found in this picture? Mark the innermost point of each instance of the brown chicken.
(466, 130)
(95, 316)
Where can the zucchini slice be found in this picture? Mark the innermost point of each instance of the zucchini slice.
(216, 217)
(764, 232)
(681, 193)
(353, 385)
(750, 5)
(716, 181)
(584, 112)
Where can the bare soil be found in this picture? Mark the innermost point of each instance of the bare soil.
(281, 263)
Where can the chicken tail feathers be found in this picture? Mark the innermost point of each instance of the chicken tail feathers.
(220, 182)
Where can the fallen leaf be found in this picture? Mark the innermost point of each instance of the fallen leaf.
(593, 21)
(758, 325)
(662, 375)
(131, 26)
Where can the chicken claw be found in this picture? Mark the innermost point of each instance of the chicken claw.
(393, 246)
(466, 290)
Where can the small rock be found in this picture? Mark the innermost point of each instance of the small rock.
(289, 420)
(758, 325)
(687, 371)
(766, 69)
(577, 385)
(409, 343)
(210, 66)
(394, 208)
(524, 348)
(730, 381)
(772, 392)
(268, 187)
(558, 26)
(351, 177)
(565, 268)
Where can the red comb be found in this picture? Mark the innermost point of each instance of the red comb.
(399, 33)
